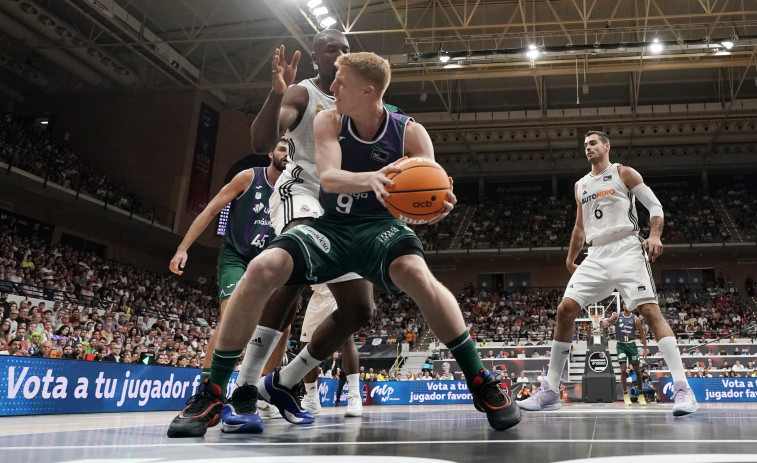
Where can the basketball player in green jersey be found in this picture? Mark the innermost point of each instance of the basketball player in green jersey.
(356, 234)
(248, 231)
(290, 109)
(626, 325)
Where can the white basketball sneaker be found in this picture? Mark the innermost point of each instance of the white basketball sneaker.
(543, 399)
(265, 410)
(312, 403)
(685, 402)
(354, 405)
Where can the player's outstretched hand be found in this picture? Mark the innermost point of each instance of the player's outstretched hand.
(654, 248)
(178, 262)
(283, 73)
(379, 181)
(449, 204)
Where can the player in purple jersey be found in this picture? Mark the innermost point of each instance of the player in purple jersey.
(248, 231)
(308, 253)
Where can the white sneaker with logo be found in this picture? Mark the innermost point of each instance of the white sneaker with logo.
(543, 399)
(312, 403)
(685, 402)
(354, 405)
(266, 411)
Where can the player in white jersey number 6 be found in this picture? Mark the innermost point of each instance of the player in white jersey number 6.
(617, 258)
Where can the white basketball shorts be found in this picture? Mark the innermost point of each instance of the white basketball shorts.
(321, 305)
(621, 265)
(294, 206)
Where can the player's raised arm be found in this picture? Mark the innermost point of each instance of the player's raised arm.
(632, 179)
(230, 191)
(283, 107)
(328, 160)
(577, 237)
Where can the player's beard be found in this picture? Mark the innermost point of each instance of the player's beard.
(279, 164)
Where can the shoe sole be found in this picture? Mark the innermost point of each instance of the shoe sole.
(353, 413)
(544, 409)
(244, 428)
(685, 412)
(268, 397)
(193, 433)
(509, 422)
(313, 411)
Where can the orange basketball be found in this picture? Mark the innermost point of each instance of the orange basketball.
(419, 190)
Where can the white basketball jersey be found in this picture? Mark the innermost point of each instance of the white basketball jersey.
(608, 207)
(301, 175)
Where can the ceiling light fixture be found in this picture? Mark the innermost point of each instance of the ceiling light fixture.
(533, 52)
(319, 11)
(727, 44)
(656, 47)
(314, 3)
(327, 22)
(443, 57)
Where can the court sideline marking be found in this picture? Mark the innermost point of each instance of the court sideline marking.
(413, 442)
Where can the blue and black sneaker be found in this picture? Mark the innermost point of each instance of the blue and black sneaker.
(240, 414)
(284, 399)
(489, 397)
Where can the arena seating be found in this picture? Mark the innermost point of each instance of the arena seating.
(542, 221)
(31, 149)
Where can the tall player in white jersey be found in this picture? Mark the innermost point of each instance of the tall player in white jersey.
(291, 109)
(617, 258)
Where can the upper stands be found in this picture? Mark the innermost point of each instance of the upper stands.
(32, 150)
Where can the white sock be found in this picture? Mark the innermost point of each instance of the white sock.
(557, 360)
(297, 368)
(260, 347)
(672, 356)
(311, 389)
(353, 384)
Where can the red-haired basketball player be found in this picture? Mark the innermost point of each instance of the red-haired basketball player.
(356, 234)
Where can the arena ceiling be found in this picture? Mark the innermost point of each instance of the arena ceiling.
(500, 84)
(589, 53)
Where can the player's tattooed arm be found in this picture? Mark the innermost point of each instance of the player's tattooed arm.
(577, 237)
(653, 242)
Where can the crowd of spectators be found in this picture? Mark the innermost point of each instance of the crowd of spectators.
(521, 317)
(527, 317)
(32, 149)
(741, 203)
(395, 317)
(68, 331)
(81, 306)
(536, 220)
(52, 271)
(690, 217)
(519, 220)
(441, 235)
(715, 311)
